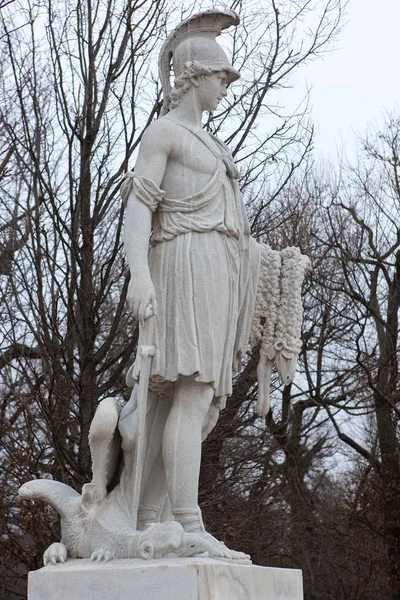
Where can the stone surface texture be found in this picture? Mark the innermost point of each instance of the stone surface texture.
(205, 291)
(163, 579)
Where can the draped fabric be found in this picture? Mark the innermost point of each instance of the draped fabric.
(204, 266)
(144, 189)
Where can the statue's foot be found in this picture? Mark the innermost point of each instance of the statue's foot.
(55, 553)
(192, 523)
(219, 550)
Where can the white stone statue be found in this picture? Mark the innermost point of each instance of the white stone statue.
(204, 292)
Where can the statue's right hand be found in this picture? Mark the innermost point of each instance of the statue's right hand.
(141, 298)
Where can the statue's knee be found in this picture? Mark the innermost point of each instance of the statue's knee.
(194, 397)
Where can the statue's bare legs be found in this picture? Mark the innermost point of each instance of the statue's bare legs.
(182, 441)
(191, 416)
(175, 431)
(154, 495)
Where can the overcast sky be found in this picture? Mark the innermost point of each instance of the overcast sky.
(353, 85)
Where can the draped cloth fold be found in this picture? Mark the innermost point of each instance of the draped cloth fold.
(144, 189)
(204, 266)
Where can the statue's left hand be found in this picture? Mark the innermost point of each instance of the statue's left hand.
(55, 553)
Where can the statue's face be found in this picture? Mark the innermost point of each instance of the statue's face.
(211, 90)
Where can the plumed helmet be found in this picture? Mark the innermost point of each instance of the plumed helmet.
(194, 40)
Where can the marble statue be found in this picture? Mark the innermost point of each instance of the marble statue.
(204, 292)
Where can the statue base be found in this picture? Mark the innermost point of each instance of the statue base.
(164, 579)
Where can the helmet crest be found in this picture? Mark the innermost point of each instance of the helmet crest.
(194, 40)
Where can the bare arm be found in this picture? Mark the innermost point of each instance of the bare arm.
(151, 163)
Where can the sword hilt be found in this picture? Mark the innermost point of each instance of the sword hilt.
(147, 335)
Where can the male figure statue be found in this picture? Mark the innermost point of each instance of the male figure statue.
(202, 293)
(200, 278)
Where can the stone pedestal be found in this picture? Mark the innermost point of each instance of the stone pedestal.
(164, 579)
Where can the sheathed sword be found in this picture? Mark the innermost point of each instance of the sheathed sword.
(146, 350)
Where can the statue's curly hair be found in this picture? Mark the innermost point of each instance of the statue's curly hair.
(182, 83)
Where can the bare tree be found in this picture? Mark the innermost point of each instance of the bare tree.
(362, 235)
(78, 90)
(67, 337)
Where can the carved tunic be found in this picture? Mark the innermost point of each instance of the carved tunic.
(204, 266)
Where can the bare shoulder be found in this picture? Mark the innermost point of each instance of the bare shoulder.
(160, 135)
(154, 152)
